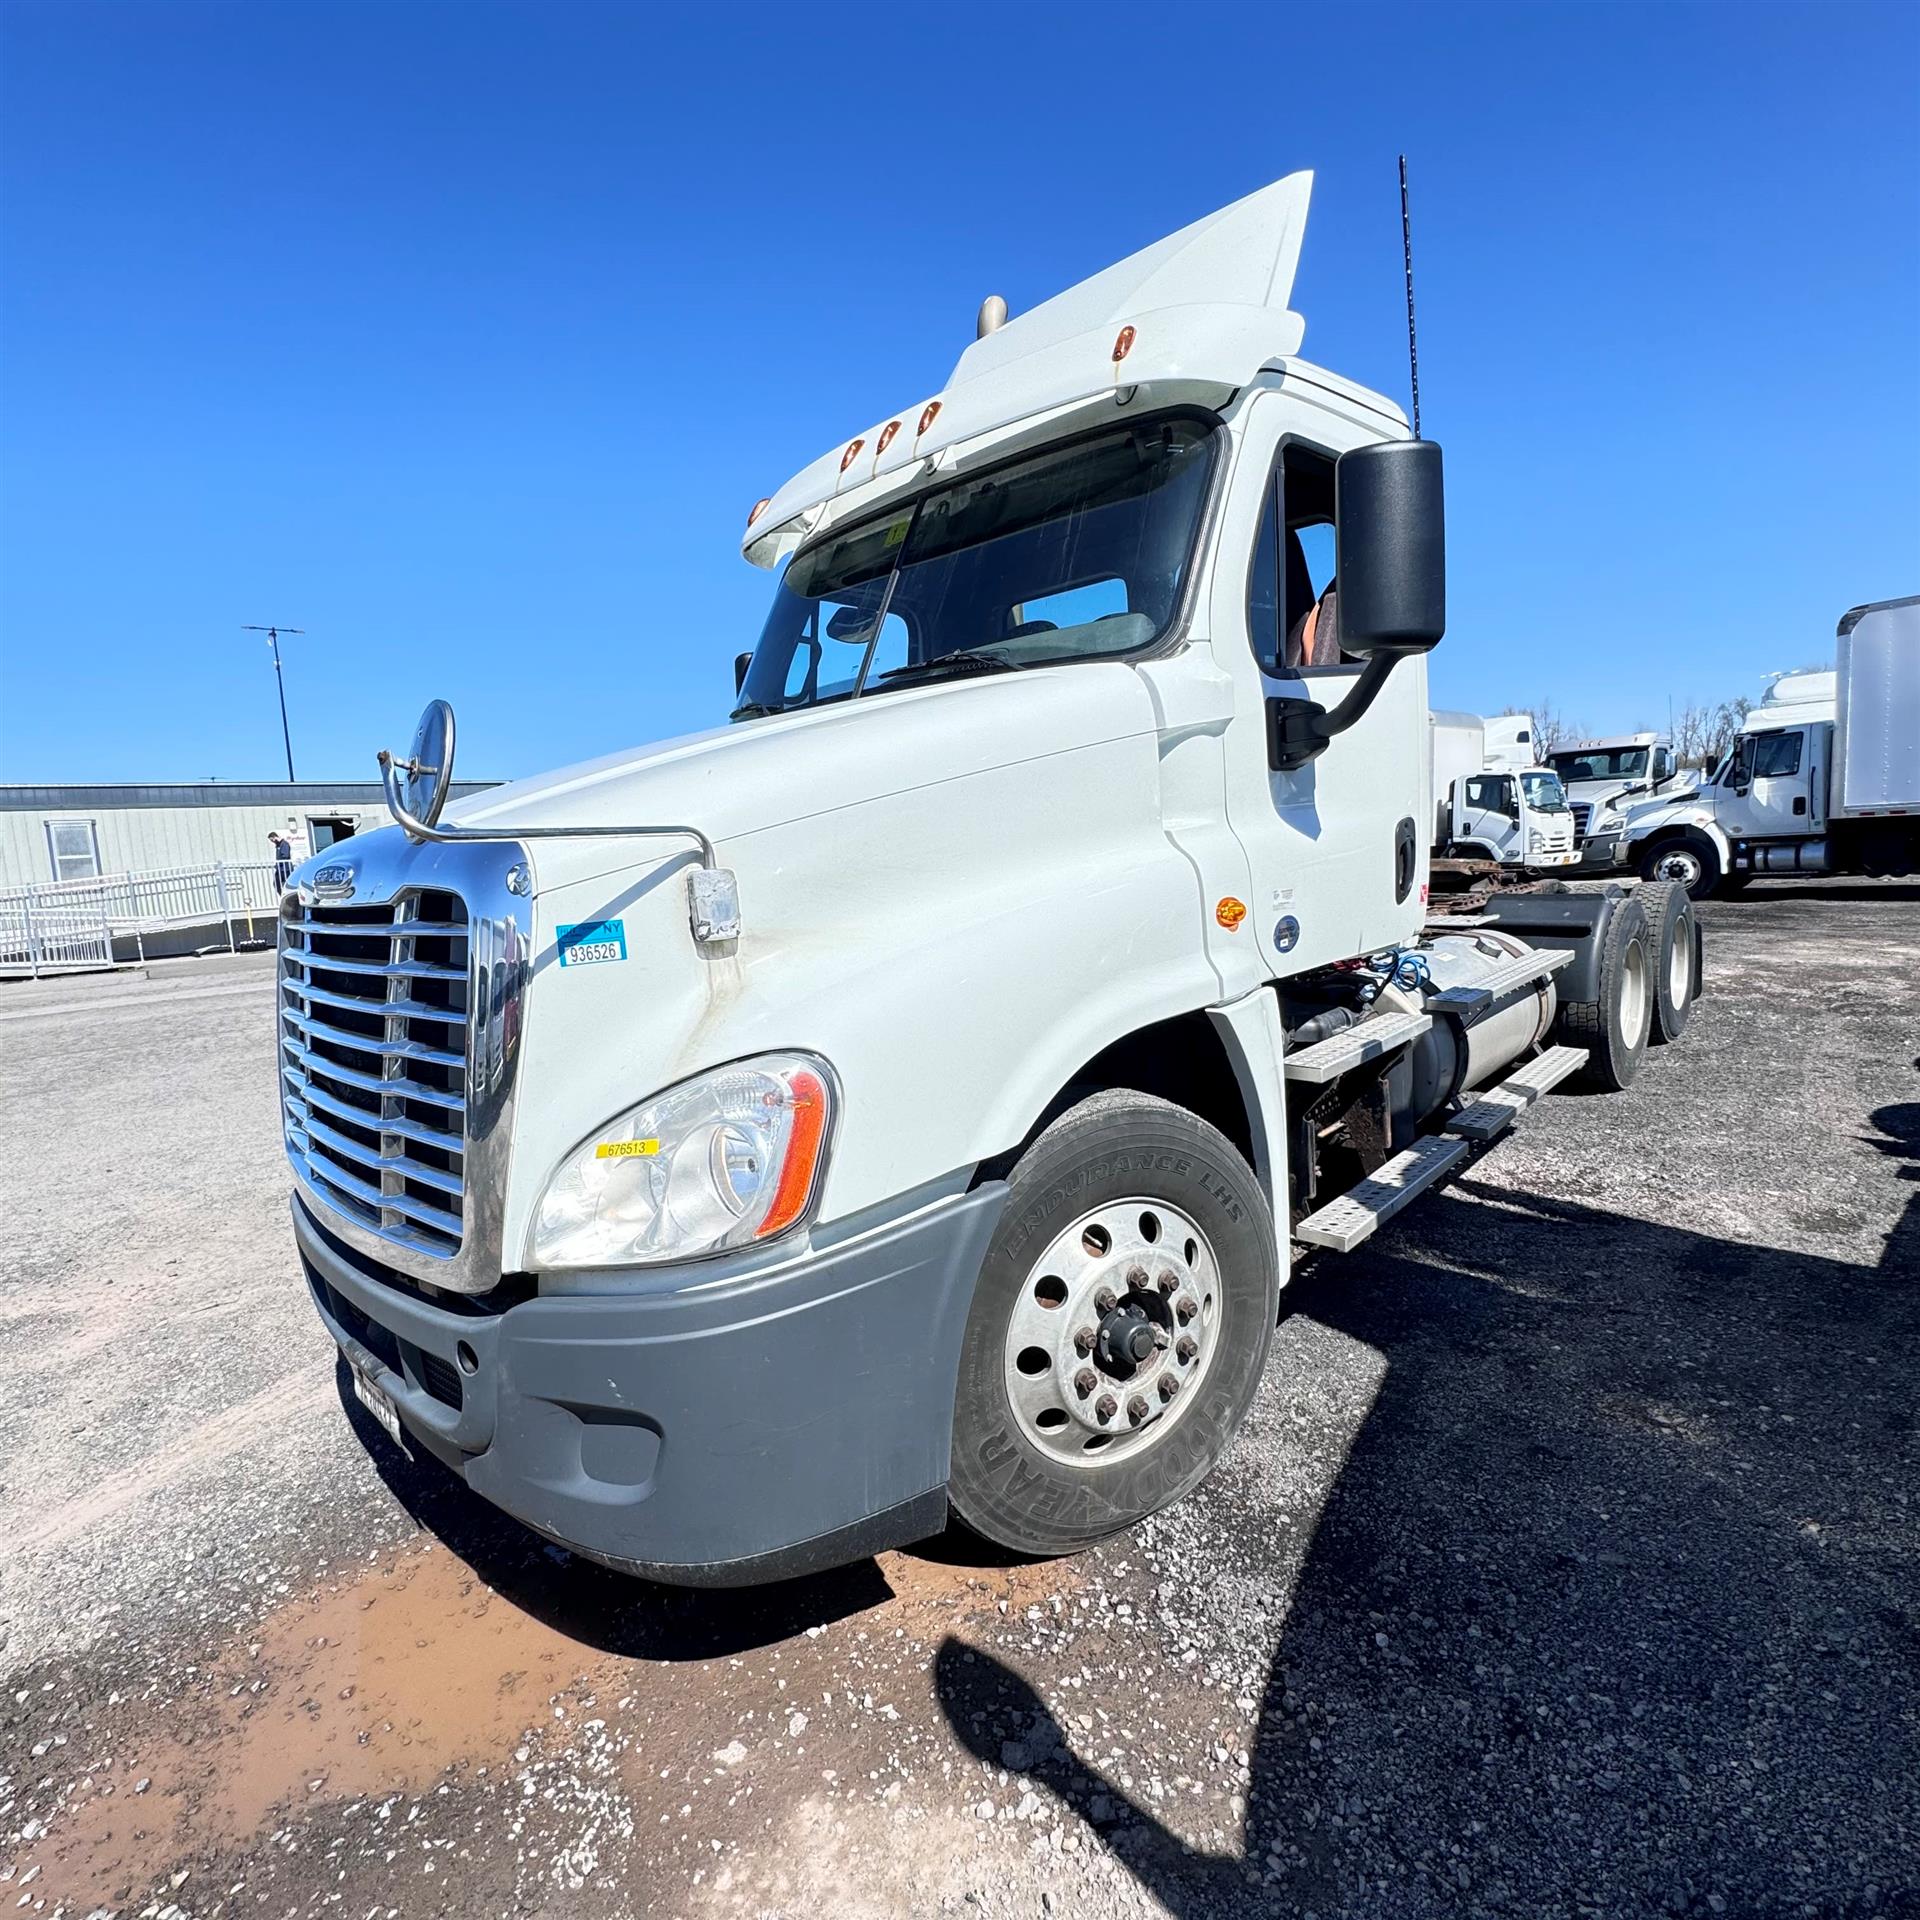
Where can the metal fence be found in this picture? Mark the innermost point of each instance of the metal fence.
(75, 925)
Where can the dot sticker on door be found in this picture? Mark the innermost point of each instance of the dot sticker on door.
(591, 943)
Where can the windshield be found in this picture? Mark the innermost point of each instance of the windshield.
(1600, 763)
(1077, 552)
(1544, 792)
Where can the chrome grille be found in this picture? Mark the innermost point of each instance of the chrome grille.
(374, 1004)
(1582, 813)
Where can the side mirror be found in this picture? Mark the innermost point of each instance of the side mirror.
(741, 662)
(1390, 548)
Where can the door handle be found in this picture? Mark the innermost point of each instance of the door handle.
(1799, 803)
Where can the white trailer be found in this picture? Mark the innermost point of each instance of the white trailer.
(742, 1153)
(1824, 778)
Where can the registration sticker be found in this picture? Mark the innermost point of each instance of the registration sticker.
(591, 943)
(626, 1149)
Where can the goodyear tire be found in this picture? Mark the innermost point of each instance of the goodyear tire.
(1615, 1028)
(1119, 1326)
(1676, 949)
(1689, 860)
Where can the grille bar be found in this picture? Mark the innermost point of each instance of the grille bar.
(374, 1004)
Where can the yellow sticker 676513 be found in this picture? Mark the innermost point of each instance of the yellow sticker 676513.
(625, 1149)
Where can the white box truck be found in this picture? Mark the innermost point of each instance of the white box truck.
(1491, 803)
(1824, 778)
(908, 1101)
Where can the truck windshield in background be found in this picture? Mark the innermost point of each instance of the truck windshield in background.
(1601, 763)
(1544, 792)
(1078, 552)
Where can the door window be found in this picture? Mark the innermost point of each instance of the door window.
(74, 848)
(1775, 753)
(1292, 617)
(1488, 792)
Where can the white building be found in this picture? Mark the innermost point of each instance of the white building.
(79, 833)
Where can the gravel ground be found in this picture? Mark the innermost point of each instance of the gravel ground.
(1567, 1565)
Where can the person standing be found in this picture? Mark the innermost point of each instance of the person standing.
(282, 859)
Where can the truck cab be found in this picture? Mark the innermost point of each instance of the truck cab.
(904, 1101)
(1520, 819)
(1603, 779)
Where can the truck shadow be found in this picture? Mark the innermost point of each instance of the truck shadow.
(1612, 1607)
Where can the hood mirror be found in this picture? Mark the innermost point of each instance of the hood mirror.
(423, 779)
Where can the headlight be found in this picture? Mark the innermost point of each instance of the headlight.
(1535, 839)
(728, 1158)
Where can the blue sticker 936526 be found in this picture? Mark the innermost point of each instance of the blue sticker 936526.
(588, 943)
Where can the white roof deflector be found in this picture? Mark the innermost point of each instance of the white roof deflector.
(1191, 317)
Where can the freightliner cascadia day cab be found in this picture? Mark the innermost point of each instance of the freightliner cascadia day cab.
(908, 1100)
(1604, 780)
(1824, 778)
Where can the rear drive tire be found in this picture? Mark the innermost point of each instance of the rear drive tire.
(1671, 922)
(1691, 861)
(1615, 1028)
(1136, 1250)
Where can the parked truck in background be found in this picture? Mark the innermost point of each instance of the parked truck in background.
(1604, 779)
(1824, 777)
(909, 1100)
(1490, 802)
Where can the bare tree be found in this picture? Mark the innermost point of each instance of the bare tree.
(1722, 725)
(1551, 730)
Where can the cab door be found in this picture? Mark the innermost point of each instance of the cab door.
(1775, 771)
(1486, 813)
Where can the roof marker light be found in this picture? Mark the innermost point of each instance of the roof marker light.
(886, 437)
(852, 453)
(759, 507)
(1123, 345)
(928, 415)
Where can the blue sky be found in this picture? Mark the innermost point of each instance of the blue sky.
(464, 335)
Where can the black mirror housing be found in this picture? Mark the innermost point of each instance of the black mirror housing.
(1391, 548)
(741, 662)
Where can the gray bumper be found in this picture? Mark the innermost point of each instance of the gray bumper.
(1602, 853)
(714, 1429)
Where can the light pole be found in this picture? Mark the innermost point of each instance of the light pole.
(273, 640)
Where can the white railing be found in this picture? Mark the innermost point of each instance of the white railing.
(69, 925)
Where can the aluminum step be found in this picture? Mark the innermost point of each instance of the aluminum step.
(1341, 1052)
(1496, 1108)
(1342, 1224)
(1521, 971)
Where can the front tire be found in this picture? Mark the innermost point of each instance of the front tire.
(1691, 860)
(1119, 1326)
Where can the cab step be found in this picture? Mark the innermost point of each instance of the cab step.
(1496, 1108)
(1341, 1052)
(1521, 971)
(1342, 1224)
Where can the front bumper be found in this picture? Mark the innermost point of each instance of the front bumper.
(1603, 853)
(715, 1428)
(1564, 857)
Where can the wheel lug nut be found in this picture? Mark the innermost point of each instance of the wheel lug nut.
(1085, 1380)
(1137, 1408)
(1186, 1350)
(1168, 1280)
(1105, 1407)
(1105, 1299)
(1083, 1339)
(1185, 1307)
(1169, 1386)
(1137, 1278)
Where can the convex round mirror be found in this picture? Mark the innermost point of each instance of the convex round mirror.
(425, 781)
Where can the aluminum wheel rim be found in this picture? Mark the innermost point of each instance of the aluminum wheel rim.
(1117, 1265)
(1634, 998)
(1681, 866)
(1680, 965)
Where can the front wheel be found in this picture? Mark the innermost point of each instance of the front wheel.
(1119, 1326)
(1691, 861)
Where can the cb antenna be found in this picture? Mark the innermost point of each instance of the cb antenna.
(1406, 251)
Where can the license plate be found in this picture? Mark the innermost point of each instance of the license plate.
(381, 1406)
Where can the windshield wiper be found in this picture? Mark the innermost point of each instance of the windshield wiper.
(966, 660)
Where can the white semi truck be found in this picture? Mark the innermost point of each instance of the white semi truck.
(1824, 778)
(1490, 802)
(1604, 779)
(908, 1101)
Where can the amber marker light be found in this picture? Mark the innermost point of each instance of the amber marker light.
(759, 507)
(802, 1160)
(852, 453)
(1230, 912)
(928, 415)
(1122, 345)
(886, 437)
